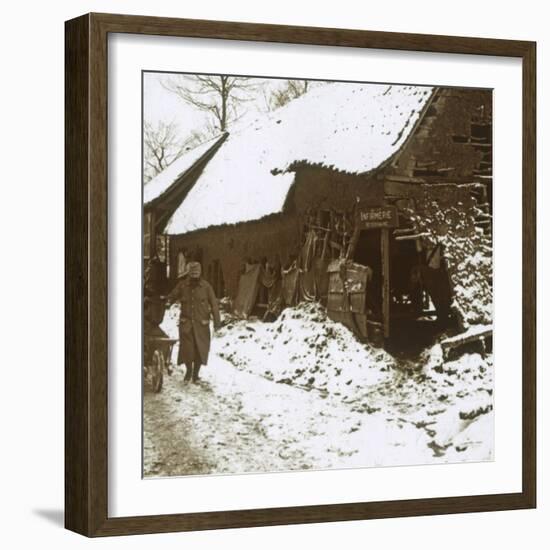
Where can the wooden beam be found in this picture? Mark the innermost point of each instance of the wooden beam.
(412, 237)
(385, 250)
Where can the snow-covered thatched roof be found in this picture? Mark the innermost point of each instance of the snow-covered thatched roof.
(163, 181)
(353, 128)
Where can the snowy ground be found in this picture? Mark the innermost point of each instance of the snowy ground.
(302, 393)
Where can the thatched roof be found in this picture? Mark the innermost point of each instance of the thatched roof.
(352, 128)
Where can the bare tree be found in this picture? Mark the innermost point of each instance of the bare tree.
(292, 89)
(220, 96)
(162, 145)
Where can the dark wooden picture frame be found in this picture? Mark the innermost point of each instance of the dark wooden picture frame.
(86, 230)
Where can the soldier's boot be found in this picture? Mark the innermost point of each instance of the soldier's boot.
(188, 372)
(196, 369)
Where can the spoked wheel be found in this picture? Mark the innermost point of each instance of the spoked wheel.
(157, 370)
(168, 363)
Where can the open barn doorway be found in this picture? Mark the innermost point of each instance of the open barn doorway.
(368, 252)
(420, 297)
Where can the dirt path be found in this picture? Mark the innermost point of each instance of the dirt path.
(170, 447)
(201, 429)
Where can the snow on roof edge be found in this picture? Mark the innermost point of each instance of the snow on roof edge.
(165, 180)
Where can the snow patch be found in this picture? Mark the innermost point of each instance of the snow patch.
(303, 347)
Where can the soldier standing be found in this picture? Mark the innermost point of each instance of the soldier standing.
(198, 302)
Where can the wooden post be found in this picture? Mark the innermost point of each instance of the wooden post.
(353, 242)
(167, 255)
(147, 234)
(385, 252)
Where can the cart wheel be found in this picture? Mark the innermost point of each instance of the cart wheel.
(168, 363)
(157, 369)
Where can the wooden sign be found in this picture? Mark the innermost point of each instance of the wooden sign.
(377, 217)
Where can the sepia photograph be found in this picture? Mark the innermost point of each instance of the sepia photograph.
(317, 274)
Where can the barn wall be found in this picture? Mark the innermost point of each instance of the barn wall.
(321, 188)
(275, 238)
(442, 142)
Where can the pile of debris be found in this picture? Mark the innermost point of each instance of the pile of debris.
(303, 347)
(467, 251)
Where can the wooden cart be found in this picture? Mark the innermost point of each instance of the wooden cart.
(157, 346)
(157, 360)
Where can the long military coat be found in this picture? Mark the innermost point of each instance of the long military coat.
(198, 302)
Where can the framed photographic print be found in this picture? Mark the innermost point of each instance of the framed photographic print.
(300, 275)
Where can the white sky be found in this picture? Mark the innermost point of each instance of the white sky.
(160, 104)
